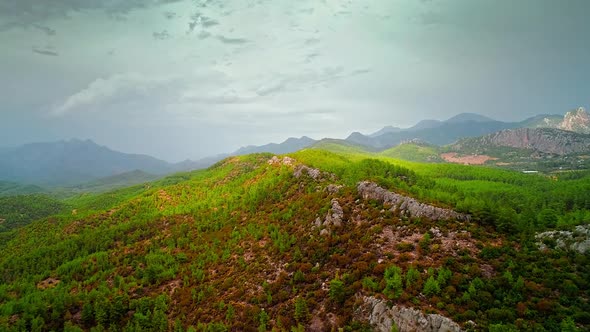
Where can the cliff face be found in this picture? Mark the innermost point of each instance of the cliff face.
(578, 121)
(546, 140)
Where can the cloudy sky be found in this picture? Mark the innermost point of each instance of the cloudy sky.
(189, 78)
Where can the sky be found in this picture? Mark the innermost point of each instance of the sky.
(181, 79)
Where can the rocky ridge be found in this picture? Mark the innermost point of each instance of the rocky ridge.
(406, 205)
(382, 318)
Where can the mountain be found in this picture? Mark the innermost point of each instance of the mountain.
(468, 125)
(545, 140)
(312, 241)
(469, 117)
(444, 133)
(578, 121)
(290, 145)
(542, 121)
(384, 130)
(73, 162)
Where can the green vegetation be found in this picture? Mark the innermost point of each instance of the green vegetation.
(18, 211)
(414, 152)
(13, 189)
(234, 247)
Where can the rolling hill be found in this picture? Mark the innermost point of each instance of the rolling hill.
(313, 241)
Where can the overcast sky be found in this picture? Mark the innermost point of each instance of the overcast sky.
(185, 79)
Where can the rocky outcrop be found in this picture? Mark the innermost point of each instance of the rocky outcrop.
(577, 120)
(406, 205)
(576, 240)
(382, 318)
(334, 218)
(545, 140)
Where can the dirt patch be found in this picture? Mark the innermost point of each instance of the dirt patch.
(48, 283)
(473, 159)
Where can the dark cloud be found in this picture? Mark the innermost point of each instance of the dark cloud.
(169, 15)
(204, 35)
(23, 13)
(44, 51)
(162, 35)
(47, 30)
(228, 40)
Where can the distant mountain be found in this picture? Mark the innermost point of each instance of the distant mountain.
(385, 130)
(468, 125)
(435, 132)
(544, 140)
(542, 121)
(425, 124)
(290, 145)
(577, 120)
(72, 162)
(469, 117)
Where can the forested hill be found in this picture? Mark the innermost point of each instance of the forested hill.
(311, 241)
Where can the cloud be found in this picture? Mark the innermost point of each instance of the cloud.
(112, 90)
(44, 51)
(169, 15)
(163, 35)
(228, 40)
(47, 30)
(23, 13)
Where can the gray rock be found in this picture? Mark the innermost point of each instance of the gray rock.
(407, 205)
(382, 318)
(576, 240)
(313, 173)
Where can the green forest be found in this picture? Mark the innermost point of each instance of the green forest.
(236, 248)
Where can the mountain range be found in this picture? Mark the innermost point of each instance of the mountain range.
(77, 162)
(74, 162)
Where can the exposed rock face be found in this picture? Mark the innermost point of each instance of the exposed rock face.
(382, 318)
(578, 121)
(546, 140)
(576, 240)
(313, 173)
(334, 218)
(407, 205)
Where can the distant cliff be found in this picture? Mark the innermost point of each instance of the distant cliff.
(546, 140)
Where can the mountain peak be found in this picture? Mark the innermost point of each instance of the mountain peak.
(577, 120)
(469, 117)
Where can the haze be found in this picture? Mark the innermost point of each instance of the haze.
(187, 79)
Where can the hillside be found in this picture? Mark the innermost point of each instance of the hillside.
(18, 211)
(73, 162)
(116, 181)
(544, 140)
(315, 241)
(12, 188)
(414, 151)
